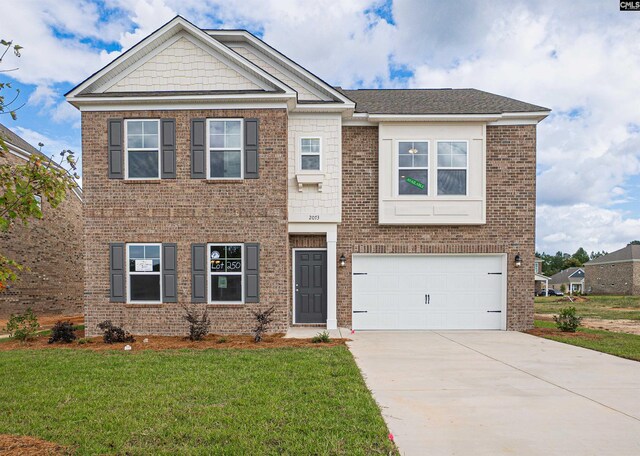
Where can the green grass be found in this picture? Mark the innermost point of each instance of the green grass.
(269, 401)
(613, 343)
(605, 307)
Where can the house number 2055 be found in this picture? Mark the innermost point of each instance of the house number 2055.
(314, 217)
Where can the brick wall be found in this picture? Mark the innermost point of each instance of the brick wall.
(52, 249)
(511, 174)
(613, 279)
(186, 211)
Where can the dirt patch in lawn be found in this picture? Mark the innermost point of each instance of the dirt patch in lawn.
(553, 332)
(171, 343)
(572, 299)
(623, 326)
(47, 321)
(22, 445)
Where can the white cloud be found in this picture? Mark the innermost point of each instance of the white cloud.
(566, 228)
(580, 62)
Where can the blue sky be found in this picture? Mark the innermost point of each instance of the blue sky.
(579, 62)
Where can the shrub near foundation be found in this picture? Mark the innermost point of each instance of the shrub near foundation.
(23, 326)
(567, 320)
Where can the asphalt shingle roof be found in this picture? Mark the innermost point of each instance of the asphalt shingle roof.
(563, 276)
(628, 253)
(435, 101)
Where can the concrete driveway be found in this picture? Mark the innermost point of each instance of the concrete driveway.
(491, 393)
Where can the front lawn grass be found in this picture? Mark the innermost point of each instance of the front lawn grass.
(613, 343)
(270, 401)
(605, 307)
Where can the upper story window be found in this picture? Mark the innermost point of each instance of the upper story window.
(536, 267)
(225, 276)
(225, 157)
(413, 168)
(142, 153)
(144, 275)
(452, 167)
(310, 154)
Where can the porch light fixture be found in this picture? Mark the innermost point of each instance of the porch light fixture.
(518, 260)
(343, 261)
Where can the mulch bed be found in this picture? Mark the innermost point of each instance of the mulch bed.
(553, 332)
(22, 445)
(171, 343)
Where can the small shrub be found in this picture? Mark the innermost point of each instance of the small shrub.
(63, 331)
(321, 338)
(567, 320)
(23, 326)
(198, 324)
(85, 340)
(222, 340)
(113, 334)
(563, 288)
(263, 320)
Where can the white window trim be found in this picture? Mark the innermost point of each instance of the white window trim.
(397, 168)
(211, 274)
(300, 154)
(209, 149)
(437, 168)
(126, 150)
(144, 244)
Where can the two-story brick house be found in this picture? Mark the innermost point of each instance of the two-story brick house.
(219, 172)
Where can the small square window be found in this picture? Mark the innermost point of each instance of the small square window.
(310, 152)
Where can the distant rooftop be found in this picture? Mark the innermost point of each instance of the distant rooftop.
(629, 253)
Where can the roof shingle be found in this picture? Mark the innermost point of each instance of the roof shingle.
(435, 101)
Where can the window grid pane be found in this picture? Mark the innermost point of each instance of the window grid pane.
(144, 273)
(413, 168)
(226, 272)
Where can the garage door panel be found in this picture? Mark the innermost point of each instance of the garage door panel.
(427, 292)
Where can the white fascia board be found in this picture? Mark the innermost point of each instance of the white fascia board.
(324, 107)
(283, 59)
(530, 118)
(180, 24)
(176, 101)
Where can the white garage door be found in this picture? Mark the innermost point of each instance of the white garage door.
(428, 292)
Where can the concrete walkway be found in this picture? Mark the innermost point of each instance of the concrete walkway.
(494, 393)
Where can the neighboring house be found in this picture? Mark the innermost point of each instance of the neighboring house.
(617, 273)
(541, 280)
(219, 172)
(51, 249)
(571, 278)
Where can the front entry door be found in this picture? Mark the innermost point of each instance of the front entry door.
(310, 283)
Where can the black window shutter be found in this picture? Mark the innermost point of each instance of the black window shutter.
(168, 150)
(250, 148)
(198, 153)
(198, 273)
(115, 131)
(169, 272)
(252, 272)
(117, 272)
